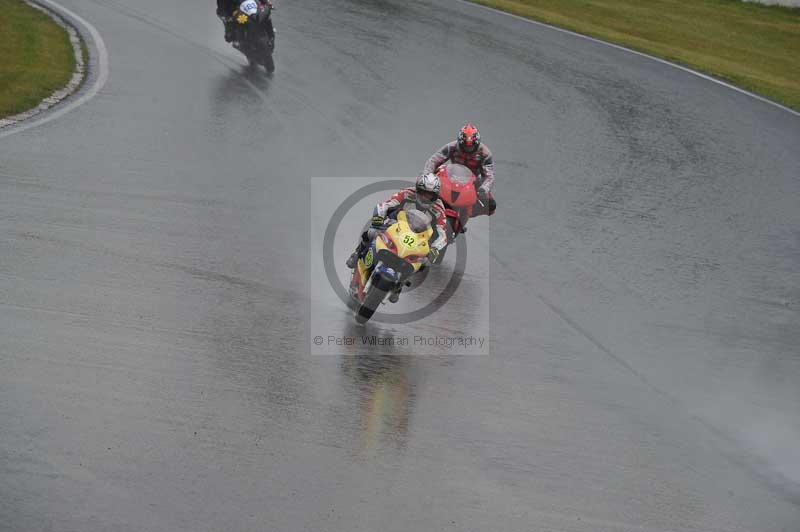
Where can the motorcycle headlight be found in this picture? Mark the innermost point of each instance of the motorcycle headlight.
(388, 272)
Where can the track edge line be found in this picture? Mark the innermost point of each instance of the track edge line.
(636, 52)
(50, 109)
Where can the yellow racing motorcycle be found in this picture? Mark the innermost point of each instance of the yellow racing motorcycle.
(396, 253)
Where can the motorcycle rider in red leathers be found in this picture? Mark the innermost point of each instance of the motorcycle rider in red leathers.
(424, 196)
(468, 150)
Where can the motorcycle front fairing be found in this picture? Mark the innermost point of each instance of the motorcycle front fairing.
(392, 266)
(380, 262)
(394, 255)
(459, 195)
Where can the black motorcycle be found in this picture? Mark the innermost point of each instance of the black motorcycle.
(253, 34)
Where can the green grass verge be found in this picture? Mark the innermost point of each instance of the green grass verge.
(753, 46)
(36, 57)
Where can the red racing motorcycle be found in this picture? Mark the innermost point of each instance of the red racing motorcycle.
(459, 193)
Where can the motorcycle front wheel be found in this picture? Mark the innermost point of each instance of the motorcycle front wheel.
(373, 298)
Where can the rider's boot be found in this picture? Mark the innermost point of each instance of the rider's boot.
(352, 260)
(228, 30)
(394, 296)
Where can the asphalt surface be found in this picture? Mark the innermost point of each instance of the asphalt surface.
(643, 292)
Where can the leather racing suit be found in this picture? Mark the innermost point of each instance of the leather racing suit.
(480, 163)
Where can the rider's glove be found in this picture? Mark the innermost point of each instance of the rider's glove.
(482, 195)
(433, 255)
(377, 221)
(219, 12)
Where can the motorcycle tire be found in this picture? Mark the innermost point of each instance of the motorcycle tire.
(373, 299)
(269, 63)
(269, 48)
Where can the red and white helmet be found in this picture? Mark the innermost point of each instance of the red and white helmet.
(469, 139)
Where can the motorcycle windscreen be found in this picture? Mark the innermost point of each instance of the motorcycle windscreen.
(458, 173)
(418, 221)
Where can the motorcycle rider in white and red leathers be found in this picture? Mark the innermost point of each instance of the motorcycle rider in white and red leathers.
(424, 196)
(468, 150)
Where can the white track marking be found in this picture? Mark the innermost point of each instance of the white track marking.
(641, 54)
(97, 84)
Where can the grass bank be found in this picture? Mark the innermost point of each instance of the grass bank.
(36, 57)
(753, 46)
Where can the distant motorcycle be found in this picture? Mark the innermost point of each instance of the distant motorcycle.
(253, 34)
(397, 253)
(459, 195)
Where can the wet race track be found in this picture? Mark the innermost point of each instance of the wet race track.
(639, 285)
